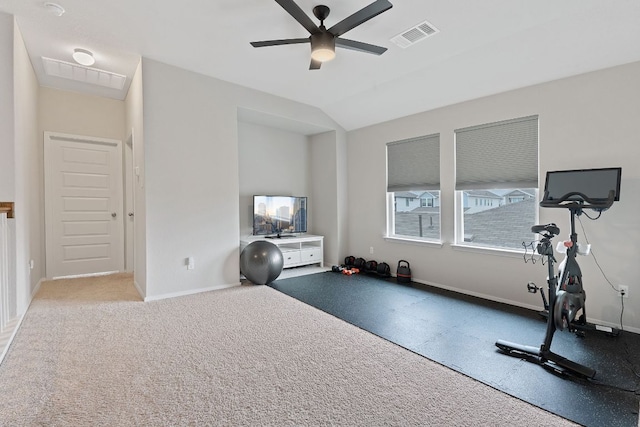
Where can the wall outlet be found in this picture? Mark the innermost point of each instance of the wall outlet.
(371, 250)
(624, 291)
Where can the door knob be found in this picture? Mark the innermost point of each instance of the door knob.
(130, 213)
(113, 214)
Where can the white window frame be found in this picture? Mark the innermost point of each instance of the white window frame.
(460, 244)
(391, 219)
(391, 237)
(459, 206)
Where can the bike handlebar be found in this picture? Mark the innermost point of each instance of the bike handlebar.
(582, 201)
(551, 229)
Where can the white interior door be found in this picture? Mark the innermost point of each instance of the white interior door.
(83, 201)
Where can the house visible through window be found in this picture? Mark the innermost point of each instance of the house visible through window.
(497, 205)
(413, 188)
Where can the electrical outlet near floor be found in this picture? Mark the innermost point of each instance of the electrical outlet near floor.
(624, 290)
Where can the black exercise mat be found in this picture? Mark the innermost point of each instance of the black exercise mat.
(460, 332)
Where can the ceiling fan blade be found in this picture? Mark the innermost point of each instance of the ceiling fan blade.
(315, 65)
(279, 42)
(361, 16)
(360, 46)
(298, 14)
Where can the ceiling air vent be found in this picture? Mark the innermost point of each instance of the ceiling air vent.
(93, 76)
(415, 34)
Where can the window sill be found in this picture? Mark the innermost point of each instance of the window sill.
(420, 242)
(511, 253)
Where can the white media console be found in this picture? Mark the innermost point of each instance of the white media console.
(304, 249)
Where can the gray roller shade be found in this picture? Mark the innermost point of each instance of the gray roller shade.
(498, 155)
(414, 164)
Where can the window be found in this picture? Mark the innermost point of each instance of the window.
(413, 188)
(496, 205)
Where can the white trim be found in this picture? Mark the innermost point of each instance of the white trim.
(516, 303)
(35, 290)
(6, 338)
(190, 292)
(505, 252)
(75, 276)
(135, 284)
(55, 136)
(4, 345)
(49, 138)
(414, 241)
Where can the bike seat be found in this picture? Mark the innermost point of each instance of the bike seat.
(549, 228)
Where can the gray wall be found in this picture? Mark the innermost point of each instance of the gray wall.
(134, 129)
(7, 172)
(28, 172)
(271, 161)
(192, 182)
(585, 121)
(20, 167)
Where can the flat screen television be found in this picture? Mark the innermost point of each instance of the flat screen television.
(279, 216)
(593, 183)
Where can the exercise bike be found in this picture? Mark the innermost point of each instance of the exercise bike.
(565, 308)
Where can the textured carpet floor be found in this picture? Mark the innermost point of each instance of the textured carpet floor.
(90, 352)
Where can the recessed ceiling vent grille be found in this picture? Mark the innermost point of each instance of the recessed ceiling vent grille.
(415, 34)
(68, 70)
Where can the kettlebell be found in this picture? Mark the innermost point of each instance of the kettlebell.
(383, 269)
(403, 273)
(371, 266)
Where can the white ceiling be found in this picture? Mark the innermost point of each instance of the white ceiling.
(483, 47)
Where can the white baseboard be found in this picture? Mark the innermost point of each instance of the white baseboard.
(517, 304)
(35, 290)
(189, 292)
(6, 338)
(135, 284)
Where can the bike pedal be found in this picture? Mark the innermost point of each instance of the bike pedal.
(532, 288)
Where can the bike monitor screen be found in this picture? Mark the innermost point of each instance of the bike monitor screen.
(593, 183)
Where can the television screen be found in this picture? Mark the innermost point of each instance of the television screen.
(276, 215)
(593, 183)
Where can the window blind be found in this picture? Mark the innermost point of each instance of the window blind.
(414, 164)
(498, 155)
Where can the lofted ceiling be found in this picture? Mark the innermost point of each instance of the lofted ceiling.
(482, 47)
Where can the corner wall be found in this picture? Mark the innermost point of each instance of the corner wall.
(20, 179)
(134, 128)
(192, 175)
(271, 162)
(585, 121)
(7, 139)
(28, 175)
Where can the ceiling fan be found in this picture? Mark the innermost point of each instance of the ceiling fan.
(323, 41)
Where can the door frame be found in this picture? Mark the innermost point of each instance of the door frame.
(129, 220)
(49, 138)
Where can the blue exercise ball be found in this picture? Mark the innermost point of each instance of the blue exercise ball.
(261, 262)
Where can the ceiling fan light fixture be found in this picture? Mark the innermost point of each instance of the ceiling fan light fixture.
(323, 47)
(83, 57)
(323, 55)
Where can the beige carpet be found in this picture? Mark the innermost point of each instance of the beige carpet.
(90, 352)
